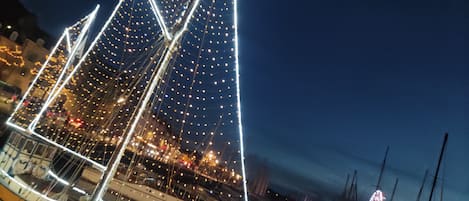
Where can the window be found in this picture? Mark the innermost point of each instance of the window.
(12, 138)
(21, 143)
(39, 150)
(50, 153)
(29, 146)
(32, 57)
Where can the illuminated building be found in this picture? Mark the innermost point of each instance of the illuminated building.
(23, 46)
(19, 62)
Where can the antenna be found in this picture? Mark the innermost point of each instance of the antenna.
(166, 56)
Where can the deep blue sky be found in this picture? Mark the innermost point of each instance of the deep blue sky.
(326, 85)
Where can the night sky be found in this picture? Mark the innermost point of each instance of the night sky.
(327, 85)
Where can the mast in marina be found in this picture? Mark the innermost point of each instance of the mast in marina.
(383, 165)
(394, 189)
(421, 186)
(442, 152)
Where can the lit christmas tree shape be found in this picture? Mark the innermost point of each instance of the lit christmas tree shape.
(153, 106)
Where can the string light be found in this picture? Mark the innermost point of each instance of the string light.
(238, 95)
(378, 195)
(52, 174)
(160, 19)
(12, 55)
(53, 65)
(184, 120)
(54, 92)
(22, 185)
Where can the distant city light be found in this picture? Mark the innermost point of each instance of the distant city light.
(378, 196)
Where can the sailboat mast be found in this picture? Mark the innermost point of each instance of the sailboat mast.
(443, 182)
(423, 184)
(344, 194)
(163, 64)
(356, 189)
(352, 191)
(394, 189)
(383, 165)
(438, 166)
(442, 189)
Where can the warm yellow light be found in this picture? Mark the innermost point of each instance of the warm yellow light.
(121, 100)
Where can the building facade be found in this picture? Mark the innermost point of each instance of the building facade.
(19, 62)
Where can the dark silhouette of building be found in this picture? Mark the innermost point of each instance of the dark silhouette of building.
(260, 182)
(277, 196)
(258, 176)
(15, 17)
